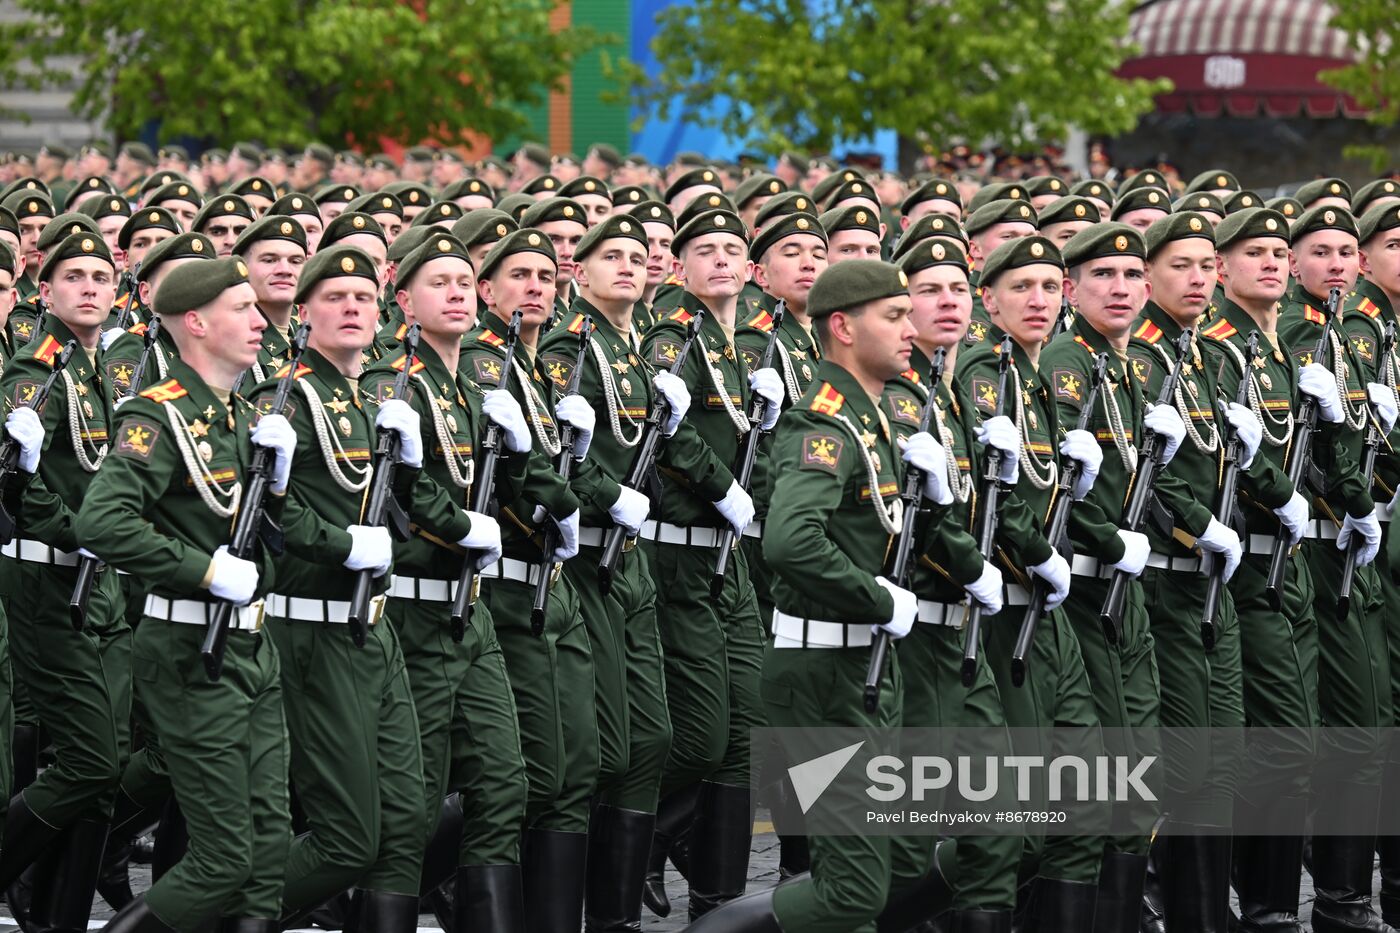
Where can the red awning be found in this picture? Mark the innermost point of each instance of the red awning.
(1241, 57)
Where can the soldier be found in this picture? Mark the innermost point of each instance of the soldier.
(754, 192)
(312, 167)
(564, 221)
(1062, 218)
(110, 213)
(303, 210)
(992, 224)
(10, 266)
(853, 232)
(274, 250)
(32, 211)
(660, 226)
(333, 200)
(470, 194)
(937, 196)
(386, 210)
(161, 510)
(480, 230)
(1141, 207)
(353, 228)
(178, 197)
(223, 219)
(592, 194)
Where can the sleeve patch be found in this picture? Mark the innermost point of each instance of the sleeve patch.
(1069, 384)
(264, 405)
(1363, 348)
(750, 359)
(821, 452)
(1304, 357)
(905, 408)
(25, 391)
(558, 368)
(119, 373)
(984, 394)
(488, 371)
(664, 353)
(1142, 369)
(137, 439)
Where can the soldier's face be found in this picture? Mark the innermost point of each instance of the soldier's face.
(343, 313)
(854, 244)
(1142, 218)
(182, 211)
(332, 209)
(1110, 292)
(1255, 270)
(258, 203)
(111, 228)
(942, 304)
(524, 282)
(659, 237)
(441, 297)
(224, 230)
(446, 171)
(1380, 260)
(595, 207)
(931, 206)
(274, 266)
(1062, 233)
(1326, 259)
(232, 326)
(29, 230)
(142, 241)
(314, 227)
(715, 265)
(478, 253)
(391, 223)
(982, 245)
(790, 267)
(8, 295)
(878, 338)
(81, 291)
(1182, 275)
(615, 272)
(1024, 302)
(565, 235)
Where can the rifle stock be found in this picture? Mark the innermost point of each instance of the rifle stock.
(1374, 439)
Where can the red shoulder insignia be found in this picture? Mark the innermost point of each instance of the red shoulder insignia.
(167, 391)
(47, 350)
(682, 315)
(827, 401)
(1368, 308)
(400, 331)
(762, 321)
(1149, 332)
(576, 325)
(1220, 330)
(1314, 316)
(491, 339)
(418, 365)
(912, 376)
(302, 370)
(1083, 343)
(137, 329)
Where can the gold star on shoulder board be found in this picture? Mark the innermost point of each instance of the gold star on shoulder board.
(868, 439)
(199, 428)
(338, 405)
(620, 366)
(443, 403)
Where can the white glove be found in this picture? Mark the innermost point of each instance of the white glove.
(677, 396)
(1165, 422)
(1054, 572)
(235, 579)
(501, 407)
(575, 411)
(116, 406)
(568, 537)
(1083, 448)
(1318, 381)
(1221, 539)
(1383, 401)
(767, 384)
(484, 539)
(986, 589)
(923, 452)
(1001, 433)
(736, 507)
(371, 548)
(1135, 551)
(1294, 517)
(1247, 429)
(109, 337)
(398, 416)
(906, 610)
(276, 432)
(1369, 528)
(630, 509)
(24, 426)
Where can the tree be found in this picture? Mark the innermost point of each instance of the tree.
(1373, 79)
(804, 73)
(293, 71)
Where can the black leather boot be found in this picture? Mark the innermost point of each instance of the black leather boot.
(619, 842)
(24, 754)
(981, 921)
(1342, 879)
(1388, 847)
(1267, 870)
(1061, 906)
(552, 872)
(26, 838)
(906, 909)
(794, 856)
(172, 839)
(1118, 908)
(63, 896)
(674, 815)
(1196, 877)
(752, 913)
(1154, 893)
(488, 899)
(113, 880)
(382, 912)
(136, 917)
(719, 847)
(440, 862)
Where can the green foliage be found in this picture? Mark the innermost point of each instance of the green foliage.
(802, 73)
(1373, 33)
(293, 71)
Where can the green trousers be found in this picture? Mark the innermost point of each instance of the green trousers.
(7, 715)
(356, 762)
(78, 682)
(634, 727)
(713, 650)
(224, 745)
(552, 678)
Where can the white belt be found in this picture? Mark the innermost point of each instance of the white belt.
(301, 609)
(932, 613)
(666, 533)
(597, 537)
(1260, 544)
(1084, 566)
(508, 568)
(797, 632)
(1320, 529)
(1176, 564)
(755, 530)
(39, 553)
(247, 618)
(424, 588)
(1016, 595)
(1383, 511)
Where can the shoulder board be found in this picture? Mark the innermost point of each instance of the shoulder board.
(400, 331)
(1220, 330)
(418, 365)
(137, 329)
(1314, 316)
(672, 279)
(761, 321)
(1149, 332)
(680, 314)
(302, 370)
(576, 325)
(912, 376)
(490, 339)
(1368, 308)
(827, 400)
(48, 350)
(1083, 343)
(34, 299)
(123, 301)
(167, 391)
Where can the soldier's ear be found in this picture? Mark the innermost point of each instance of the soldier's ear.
(483, 288)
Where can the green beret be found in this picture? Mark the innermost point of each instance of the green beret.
(93, 184)
(857, 188)
(56, 151)
(380, 160)
(1070, 208)
(1000, 191)
(333, 263)
(923, 255)
(1243, 200)
(1101, 241)
(468, 187)
(654, 212)
(222, 205)
(789, 202)
(1200, 201)
(1004, 211)
(29, 204)
(930, 225)
(585, 184)
(408, 241)
(1182, 225)
(7, 259)
(349, 224)
(717, 221)
(332, 194)
(293, 204)
(247, 151)
(176, 191)
(1291, 208)
(76, 246)
(160, 180)
(1310, 191)
(349, 157)
(628, 195)
(1147, 179)
(8, 221)
(320, 152)
(691, 179)
(213, 155)
(255, 185)
(535, 153)
(1378, 219)
(1093, 188)
(64, 226)
(28, 183)
(936, 189)
(193, 286)
(618, 225)
(786, 226)
(173, 151)
(824, 189)
(516, 204)
(271, 227)
(183, 246)
(100, 205)
(1046, 184)
(139, 152)
(1022, 251)
(1249, 223)
(1323, 218)
(410, 193)
(1214, 180)
(524, 240)
(436, 246)
(1372, 191)
(552, 209)
(760, 185)
(496, 162)
(488, 225)
(709, 201)
(546, 183)
(847, 285)
(1142, 198)
(418, 154)
(606, 154)
(380, 202)
(437, 212)
(448, 155)
(145, 219)
(855, 217)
